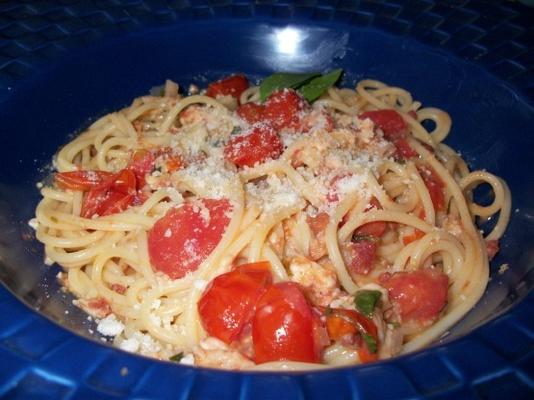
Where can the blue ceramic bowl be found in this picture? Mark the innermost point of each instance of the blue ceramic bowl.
(63, 66)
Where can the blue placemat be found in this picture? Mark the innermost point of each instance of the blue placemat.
(38, 359)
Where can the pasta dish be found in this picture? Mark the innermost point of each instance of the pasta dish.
(288, 225)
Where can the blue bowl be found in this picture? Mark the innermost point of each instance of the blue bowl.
(61, 67)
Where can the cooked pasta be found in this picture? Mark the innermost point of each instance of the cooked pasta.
(219, 230)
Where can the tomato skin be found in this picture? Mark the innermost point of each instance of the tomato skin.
(113, 196)
(345, 325)
(419, 295)
(230, 86)
(416, 235)
(124, 182)
(142, 163)
(361, 256)
(81, 180)
(395, 130)
(434, 185)
(284, 108)
(251, 112)
(257, 145)
(229, 302)
(390, 121)
(403, 149)
(375, 229)
(283, 326)
(182, 239)
(492, 247)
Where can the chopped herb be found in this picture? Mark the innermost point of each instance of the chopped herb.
(177, 357)
(236, 130)
(366, 300)
(370, 341)
(395, 325)
(363, 238)
(317, 86)
(283, 81)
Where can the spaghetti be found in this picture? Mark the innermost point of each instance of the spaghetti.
(205, 225)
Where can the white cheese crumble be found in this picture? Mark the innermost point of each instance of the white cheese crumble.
(503, 268)
(110, 326)
(33, 223)
(273, 194)
(188, 359)
(131, 345)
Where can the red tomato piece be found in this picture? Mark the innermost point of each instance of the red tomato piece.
(344, 325)
(99, 307)
(81, 180)
(318, 223)
(434, 185)
(375, 229)
(284, 326)
(251, 112)
(362, 256)
(182, 239)
(492, 246)
(365, 354)
(231, 86)
(142, 163)
(117, 287)
(229, 302)
(416, 235)
(403, 149)
(124, 182)
(285, 109)
(114, 203)
(390, 121)
(419, 295)
(114, 195)
(256, 145)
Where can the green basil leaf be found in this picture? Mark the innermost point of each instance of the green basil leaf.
(362, 238)
(366, 300)
(236, 130)
(317, 86)
(282, 81)
(370, 342)
(177, 357)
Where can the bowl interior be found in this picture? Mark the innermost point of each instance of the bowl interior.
(491, 125)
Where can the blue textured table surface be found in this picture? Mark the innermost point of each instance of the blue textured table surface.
(40, 360)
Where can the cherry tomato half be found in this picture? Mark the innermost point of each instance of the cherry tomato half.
(230, 86)
(256, 145)
(419, 295)
(284, 326)
(285, 109)
(180, 241)
(229, 302)
(81, 180)
(390, 121)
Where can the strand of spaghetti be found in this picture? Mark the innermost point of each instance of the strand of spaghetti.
(266, 224)
(277, 268)
(279, 166)
(183, 103)
(332, 243)
(81, 257)
(501, 202)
